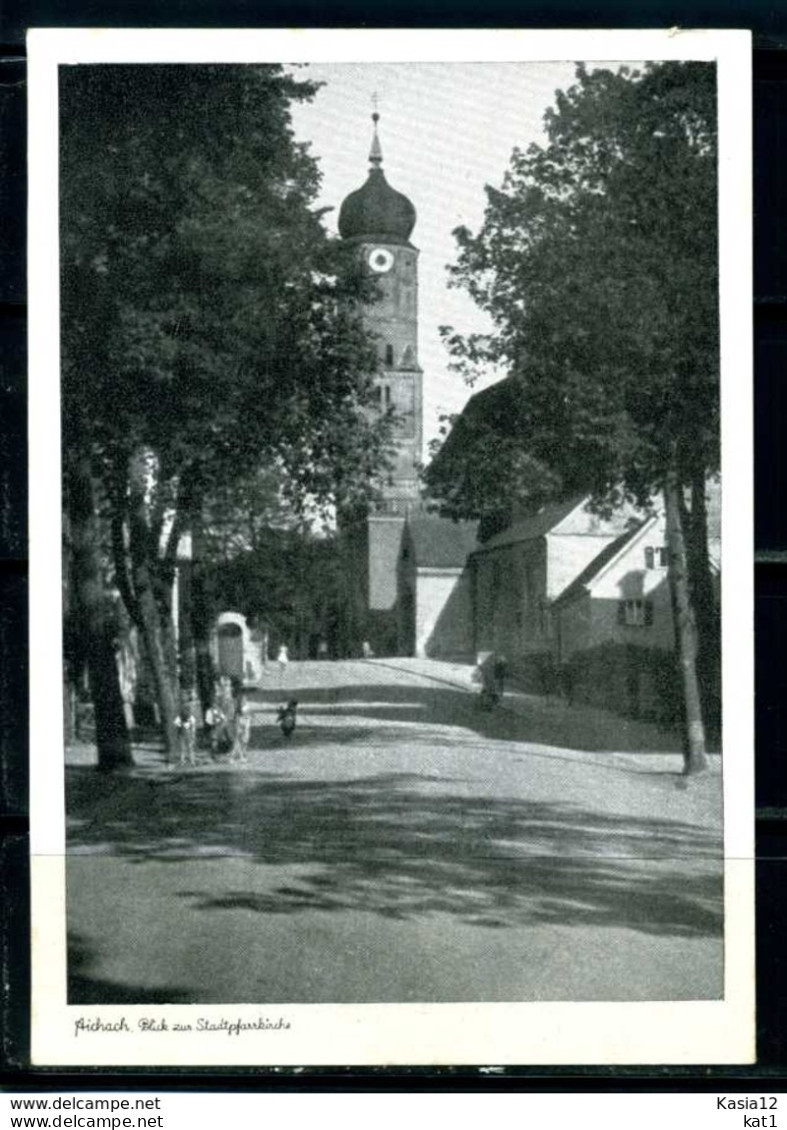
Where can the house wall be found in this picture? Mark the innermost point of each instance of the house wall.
(384, 546)
(568, 554)
(443, 614)
(605, 625)
(591, 620)
(515, 584)
(631, 579)
(628, 668)
(573, 629)
(509, 609)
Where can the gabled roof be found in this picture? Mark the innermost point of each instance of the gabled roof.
(534, 525)
(440, 543)
(603, 560)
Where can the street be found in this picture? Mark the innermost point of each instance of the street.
(402, 846)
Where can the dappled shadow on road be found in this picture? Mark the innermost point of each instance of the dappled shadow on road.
(405, 846)
(84, 988)
(543, 721)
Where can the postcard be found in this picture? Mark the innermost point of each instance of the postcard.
(391, 527)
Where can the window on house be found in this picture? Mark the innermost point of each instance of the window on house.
(377, 395)
(389, 357)
(656, 557)
(635, 613)
(387, 395)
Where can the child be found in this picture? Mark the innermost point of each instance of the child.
(216, 724)
(286, 717)
(186, 726)
(241, 729)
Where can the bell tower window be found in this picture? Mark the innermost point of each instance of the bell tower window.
(389, 355)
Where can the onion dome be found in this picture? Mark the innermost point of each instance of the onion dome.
(376, 212)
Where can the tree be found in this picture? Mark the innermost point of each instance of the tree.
(597, 261)
(481, 466)
(209, 323)
(289, 586)
(91, 625)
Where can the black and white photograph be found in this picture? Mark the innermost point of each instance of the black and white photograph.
(394, 646)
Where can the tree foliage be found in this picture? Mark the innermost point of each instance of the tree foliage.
(209, 323)
(597, 262)
(289, 585)
(205, 311)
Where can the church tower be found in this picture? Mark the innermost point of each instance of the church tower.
(378, 221)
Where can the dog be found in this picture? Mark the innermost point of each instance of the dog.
(287, 717)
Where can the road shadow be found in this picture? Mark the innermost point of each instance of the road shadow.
(539, 720)
(84, 988)
(406, 846)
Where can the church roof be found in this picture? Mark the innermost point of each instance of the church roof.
(440, 543)
(534, 525)
(376, 211)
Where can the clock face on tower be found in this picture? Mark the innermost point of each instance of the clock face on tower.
(380, 260)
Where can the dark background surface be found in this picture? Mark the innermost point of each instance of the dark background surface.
(769, 23)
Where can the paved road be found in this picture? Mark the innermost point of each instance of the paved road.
(403, 846)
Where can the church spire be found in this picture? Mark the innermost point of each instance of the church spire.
(376, 152)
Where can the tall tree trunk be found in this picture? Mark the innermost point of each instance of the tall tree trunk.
(703, 598)
(156, 651)
(694, 755)
(187, 658)
(200, 611)
(98, 631)
(151, 609)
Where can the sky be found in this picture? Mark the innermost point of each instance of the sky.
(447, 130)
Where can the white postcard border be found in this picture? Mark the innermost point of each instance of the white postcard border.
(483, 1033)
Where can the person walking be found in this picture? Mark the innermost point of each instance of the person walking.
(283, 658)
(499, 672)
(489, 676)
